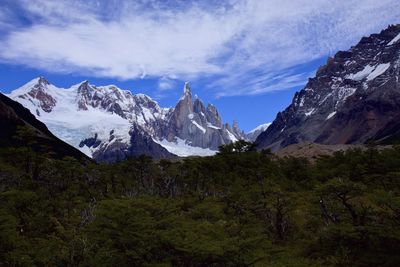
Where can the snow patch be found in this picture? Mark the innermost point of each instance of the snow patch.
(199, 126)
(86, 150)
(330, 115)
(379, 70)
(182, 149)
(209, 125)
(310, 112)
(361, 74)
(232, 136)
(394, 40)
(369, 72)
(301, 102)
(325, 98)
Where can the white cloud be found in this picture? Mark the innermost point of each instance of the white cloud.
(180, 44)
(165, 84)
(232, 41)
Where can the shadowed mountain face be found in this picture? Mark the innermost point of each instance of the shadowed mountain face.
(13, 115)
(354, 98)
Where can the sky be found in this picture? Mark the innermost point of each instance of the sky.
(247, 57)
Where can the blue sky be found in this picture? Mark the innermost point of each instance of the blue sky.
(247, 57)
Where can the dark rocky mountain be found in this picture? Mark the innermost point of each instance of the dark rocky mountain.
(353, 99)
(140, 143)
(13, 115)
(108, 123)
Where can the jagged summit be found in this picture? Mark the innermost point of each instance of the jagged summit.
(351, 99)
(186, 88)
(42, 80)
(187, 94)
(191, 120)
(102, 121)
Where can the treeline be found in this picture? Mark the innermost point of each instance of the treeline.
(238, 208)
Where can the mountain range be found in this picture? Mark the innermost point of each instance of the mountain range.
(108, 123)
(353, 99)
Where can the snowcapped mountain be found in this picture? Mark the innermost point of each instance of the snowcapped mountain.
(253, 134)
(354, 98)
(108, 123)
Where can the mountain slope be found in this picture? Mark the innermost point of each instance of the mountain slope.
(14, 115)
(108, 123)
(352, 99)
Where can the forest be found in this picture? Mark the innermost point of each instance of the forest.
(241, 207)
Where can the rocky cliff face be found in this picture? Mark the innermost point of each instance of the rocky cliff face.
(108, 123)
(352, 99)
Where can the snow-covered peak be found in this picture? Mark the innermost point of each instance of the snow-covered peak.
(39, 82)
(42, 80)
(261, 127)
(37, 92)
(82, 82)
(253, 134)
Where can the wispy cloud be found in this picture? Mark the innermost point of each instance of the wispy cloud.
(250, 45)
(165, 84)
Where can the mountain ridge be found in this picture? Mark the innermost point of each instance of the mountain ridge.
(352, 98)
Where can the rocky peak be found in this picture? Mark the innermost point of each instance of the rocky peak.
(213, 116)
(38, 90)
(198, 125)
(184, 107)
(236, 130)
(198, 107)
(84, 95)
(186, 89)
(42, 81)
(84, 87)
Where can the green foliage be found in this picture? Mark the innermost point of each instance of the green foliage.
(238, 208)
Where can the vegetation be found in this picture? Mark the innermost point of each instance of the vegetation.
(238, 208)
